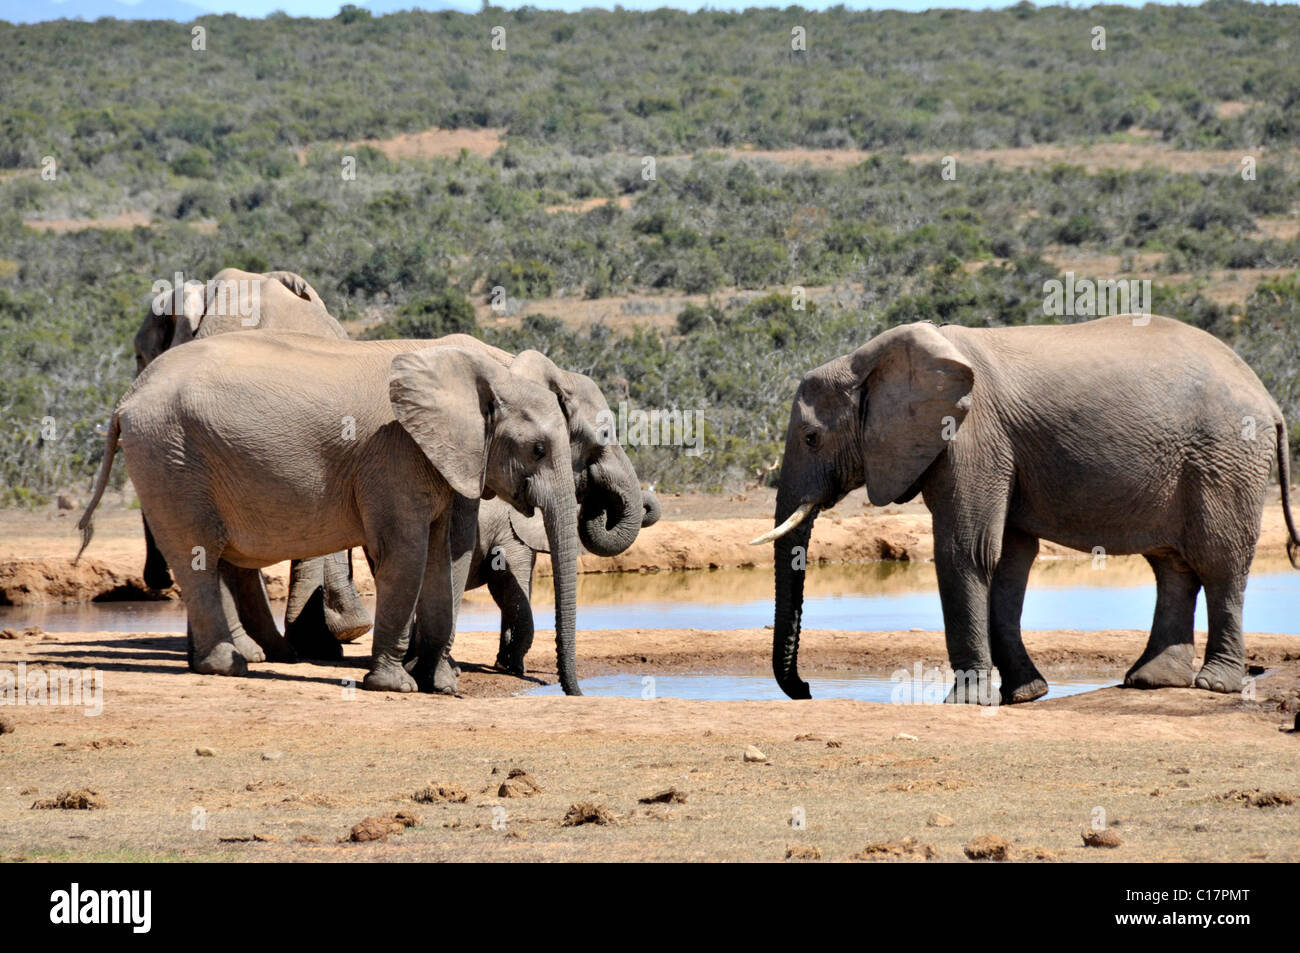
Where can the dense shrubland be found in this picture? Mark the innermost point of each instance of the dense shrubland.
(207, 140)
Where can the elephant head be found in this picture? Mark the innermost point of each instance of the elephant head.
(881, 415)
(613, 505)
(492, 432)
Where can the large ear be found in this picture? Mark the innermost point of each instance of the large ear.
(297, 284)
(917, 389)
(446, 398)
(184, 320)
(530, 530)
(537, 367)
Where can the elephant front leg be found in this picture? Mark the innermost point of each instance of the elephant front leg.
(1021, 680)
(450, 550)
(511, 589)
(964, 595)
(398, 580)
(256, 618)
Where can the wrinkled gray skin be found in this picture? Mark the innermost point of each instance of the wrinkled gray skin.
(1137, 438)
(426, 425)
(324, 607)
(505, 553)
(612, 505)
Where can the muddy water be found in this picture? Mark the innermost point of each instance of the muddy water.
(1117, 593)
(763, 688)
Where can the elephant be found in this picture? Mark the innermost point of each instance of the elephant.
(1130, 434)
(504, 557)
(323, 602)
(253, 448)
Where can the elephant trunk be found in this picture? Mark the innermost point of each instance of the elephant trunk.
(612, 514)
(560, 519)
(653, 510)
(790, 553)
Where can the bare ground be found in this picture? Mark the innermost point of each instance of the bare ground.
(293, 759)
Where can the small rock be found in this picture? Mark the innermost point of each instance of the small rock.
(907, 847)
(83, 799)
(272, 755)
(670, 796)
(585, 812)
(6, 726)
(519, 783)
(939, 820)
(904, 736)
(753, 754)
(1102, 838)
(440, 793)
(988, 847)
(802, 852)
(205, 752)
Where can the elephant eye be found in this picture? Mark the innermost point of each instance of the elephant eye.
(539, 451)
(811, 439)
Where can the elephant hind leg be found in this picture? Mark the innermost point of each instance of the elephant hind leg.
(1224, 669)
(305, 624)
(1167, 660)
(209, 628)
(345, 613)
(1021, 680)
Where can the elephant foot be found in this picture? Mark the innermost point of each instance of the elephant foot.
(510, 666)
(975, 689)
(1019, 692)
(1221, 675)
(1172, 668)
(221, 660)
(279, 650)
(445, 678)
(245, 646)
(385, 677)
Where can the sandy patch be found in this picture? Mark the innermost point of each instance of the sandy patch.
(432, 143)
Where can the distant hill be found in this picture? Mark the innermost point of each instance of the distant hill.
(24, 11)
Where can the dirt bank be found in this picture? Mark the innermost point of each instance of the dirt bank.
(698, 531)
(281, 765)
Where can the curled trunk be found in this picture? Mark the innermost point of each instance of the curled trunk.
(653, 511)
(611, 516)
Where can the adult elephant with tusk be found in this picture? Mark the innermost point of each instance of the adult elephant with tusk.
(1133, 434)
(248, 449)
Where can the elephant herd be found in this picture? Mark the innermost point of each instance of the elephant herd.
(452, 463)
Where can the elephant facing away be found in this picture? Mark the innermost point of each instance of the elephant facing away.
(323, 602)
(505, 554)
(248, 449)
(1132, 434)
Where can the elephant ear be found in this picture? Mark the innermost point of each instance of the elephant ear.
(446, 399)
(530, 530)
(185, 320)
(917, 388)
(537, 367)
(298, 285)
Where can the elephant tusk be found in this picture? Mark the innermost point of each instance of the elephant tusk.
(797, 517)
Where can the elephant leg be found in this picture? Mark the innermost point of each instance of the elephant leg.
(1224, 669)
(156, 574)
(511, 589)
(1021, 680)
(208, 627)
(256, 617)
(451, 552)
(397, 589)
(305, 623)
(1166, 662)
(964, 595)
(345, 613)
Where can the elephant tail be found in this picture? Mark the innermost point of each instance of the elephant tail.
(1284, 480)
(86, 524)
